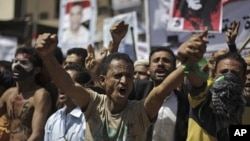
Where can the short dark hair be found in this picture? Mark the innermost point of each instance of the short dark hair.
(35, 58)
(103, 69)
(234, 56)
(162, 48)
(83, 76)
(81, 52)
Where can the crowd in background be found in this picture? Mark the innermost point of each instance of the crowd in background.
(106, 96)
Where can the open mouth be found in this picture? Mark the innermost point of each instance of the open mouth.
(247, 87)
(247, 84)
(122, 91)
(161, 72)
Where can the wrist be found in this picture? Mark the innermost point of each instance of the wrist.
(186, 68)
(116, 43)
(194, 69)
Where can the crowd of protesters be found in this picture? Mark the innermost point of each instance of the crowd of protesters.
(88, 96)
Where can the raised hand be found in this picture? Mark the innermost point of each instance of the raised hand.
(194, 48)
(118, 32)
(232, 32)
(92, 62)
(46, 43)
(90, 59)
(101, 55)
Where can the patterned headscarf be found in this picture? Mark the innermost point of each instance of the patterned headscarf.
(227, 102)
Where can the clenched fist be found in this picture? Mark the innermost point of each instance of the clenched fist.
(194, 48)
(46, 43)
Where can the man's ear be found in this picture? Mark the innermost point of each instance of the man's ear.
(102, 80)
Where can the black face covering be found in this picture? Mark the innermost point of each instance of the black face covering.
(22, 73)
(227, 102)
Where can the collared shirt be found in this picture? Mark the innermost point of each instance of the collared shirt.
(62, 127)
(80, 38)
(164, 127)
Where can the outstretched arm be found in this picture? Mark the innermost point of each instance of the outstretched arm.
(45, 45)
(157, 95)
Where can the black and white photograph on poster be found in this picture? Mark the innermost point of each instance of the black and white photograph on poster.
(129, 43)
(77, 23)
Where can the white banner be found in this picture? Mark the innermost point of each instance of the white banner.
(236, 10)
(8, 46)
(130, 40)
(143, 50)
(77, 23)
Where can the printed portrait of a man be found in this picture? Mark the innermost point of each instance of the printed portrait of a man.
(196, 14)
(74, 31)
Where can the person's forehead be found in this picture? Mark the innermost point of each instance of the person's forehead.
(76, 7)
(140, 67)
(72, 57)
(23, 56)
(114, 64)
(160, 54)
(227, 62)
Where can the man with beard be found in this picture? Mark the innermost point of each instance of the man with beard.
(172, 120)
(27, 105)
(113, 116)
(221, 104)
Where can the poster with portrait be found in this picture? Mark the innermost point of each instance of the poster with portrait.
(128, 44)
(76, 23)
(190, 15)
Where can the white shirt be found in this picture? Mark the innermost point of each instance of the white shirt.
(164, 127)
(61, 127)
(80, 38)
